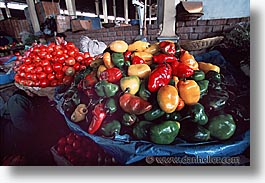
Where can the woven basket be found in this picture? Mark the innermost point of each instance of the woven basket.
(193, 45)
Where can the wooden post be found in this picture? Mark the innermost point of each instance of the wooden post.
(114, 10)
(97, 7)
(1, 15)
(105, 10)
(33, 16)
(126, 11)
(8, 14)
(169, 20)
(70, 5)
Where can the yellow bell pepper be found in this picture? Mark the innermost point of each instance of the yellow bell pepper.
(153, 49)
(138, 46)
(189, 91)
(119, 46)
(130, 82)
(168, 98)
(205, 67)
(147, 57)
(107, 60)
(140, 70)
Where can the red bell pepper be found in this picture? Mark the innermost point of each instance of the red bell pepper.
(127, 55)
(162, 58)
(138, 60)
(167, 47)
(181, 70)
(133, 104)
(160, 76)
(98, 115)
(111, 75)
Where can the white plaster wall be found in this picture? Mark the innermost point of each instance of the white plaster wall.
(216, 9)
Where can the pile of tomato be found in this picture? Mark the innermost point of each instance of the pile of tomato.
(50, 65)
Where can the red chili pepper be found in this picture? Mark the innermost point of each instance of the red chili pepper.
(127, 55)
(160, 76)
(111, 75)
(134, 104)
(90, 80)
(167, 47)
(162, 58)
(181, 70)
(138, 60)
(98, 115)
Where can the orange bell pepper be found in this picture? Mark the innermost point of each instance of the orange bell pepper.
(189, 60)
(189, 91)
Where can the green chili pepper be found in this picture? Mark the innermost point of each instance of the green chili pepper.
(129, 119)
(81, 74)
(203, 84)
(143, 92)
(193, 132)
(222, 126)
(165, 132)
(110, 128)
(105, 89)
(111, 105)
(153, 114)
(213, 76)
(117, 59)
(175, 116)
(141, 130)
(198, 75)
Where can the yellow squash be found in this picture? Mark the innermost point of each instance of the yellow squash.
(140, 70)
(205, 67)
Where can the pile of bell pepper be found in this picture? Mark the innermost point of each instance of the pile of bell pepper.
(154, 92)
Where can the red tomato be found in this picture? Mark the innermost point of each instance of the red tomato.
(54, 83)
(59, 75)
(29, 68)
(27, 61)
(57, 47)
(42, 54)
(29, 83)
(65, 68)
(79, 57)
(43, 48)
(70, 45)
(67, 80)
(70, 61)
(60, 150)
(88, 61)
(59, 52)
(48, 57)
(77, 66)
(48, 69)
(44, 83)
(57, 67)
(45, 62)
(28, 75)
(71, 53)
(51, 76)
(41, 75)
(34, 77)
(22, 74)
(49, 49)
(38, 69)
(86, 55)
(17, 78)
(61, 59)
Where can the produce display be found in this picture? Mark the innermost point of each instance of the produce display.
(52, 65)
(155, 93)
(81, 151)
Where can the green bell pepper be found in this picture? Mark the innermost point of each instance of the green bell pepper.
(216, 98)
(143, 92)
(222, 126)
(193, 132)
(141, 130)
(129, 119)
(198, 75)
(174, 116)
(213, 76)
(105, 89)
(197, 114)
(117, 59)
(165, 132)
(110, 128)
(111, 105)
(153, 114)
(81, 75)
(203, 84)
